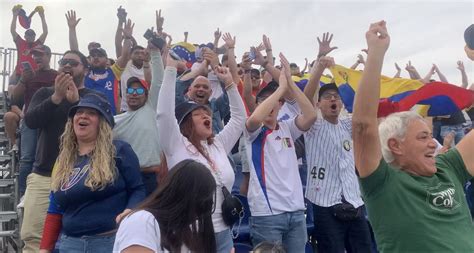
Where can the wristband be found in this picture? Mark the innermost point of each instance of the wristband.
(230, 86)
(268, 50)
(230, 47)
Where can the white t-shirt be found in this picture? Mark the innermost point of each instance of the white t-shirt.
(139, 228)
(275, 185)
(129, 71)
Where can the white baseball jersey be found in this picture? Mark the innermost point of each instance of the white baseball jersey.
(331, 168)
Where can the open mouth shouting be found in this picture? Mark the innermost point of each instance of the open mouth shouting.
(207, 124)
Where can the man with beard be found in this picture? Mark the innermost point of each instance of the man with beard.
(47, 113)
(137, 126)
(29, 83)
(24, 46)
(332, 185)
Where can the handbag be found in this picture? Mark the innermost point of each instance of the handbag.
(232, 208)
(346, 212)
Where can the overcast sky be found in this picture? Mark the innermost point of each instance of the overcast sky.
(424, 32)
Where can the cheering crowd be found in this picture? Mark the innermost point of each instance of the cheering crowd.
(146, 150)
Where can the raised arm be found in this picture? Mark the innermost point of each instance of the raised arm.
(168, 128)
(256, 119)
(217, 37)
(305, 66)
(234, 128)
(127, 44)
(360, 60)
(157, 72)
(429, 75)
(312, 88)
(231, 62)
(15, 11)
(367, 150)
(266, 64)
(305, 120)
(441, 77)
(325, 45)
(463, 74)
(268, 50)
(122, 18)
(72, 22)
(42, 37)
(412, 71)
(399, 71)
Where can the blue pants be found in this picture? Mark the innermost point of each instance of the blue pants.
(27, 154)
(149, 180)
(335, 236)
(224, 241)
(456, 129)
(87, 244)
(287, 228)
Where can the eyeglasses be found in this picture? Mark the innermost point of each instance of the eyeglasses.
(71, 62)
(255, 77)
(328, 96)
(138, 91)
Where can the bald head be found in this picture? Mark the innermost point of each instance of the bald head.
(200, 90)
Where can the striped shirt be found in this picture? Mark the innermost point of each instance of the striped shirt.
(331, 168)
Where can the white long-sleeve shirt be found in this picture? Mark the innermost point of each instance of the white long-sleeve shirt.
(177, 147)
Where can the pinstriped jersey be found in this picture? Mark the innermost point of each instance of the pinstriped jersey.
(331, 168)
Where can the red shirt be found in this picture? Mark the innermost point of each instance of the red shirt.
(240, 88)
(24, 53)
(42, 78)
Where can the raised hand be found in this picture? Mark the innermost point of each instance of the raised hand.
(409, 67)
(266, 43)
(397, 67)
(460, 66)
(16, 9)
(259, 60)
(324, 45)
(360, 59)
(121, 14)
(72, 93)
(128, 29)
(159, 21)
(224, 75)
(246, 63)
(217, 34)
(186, 36)
(260, 47)
(72, 21)
(229, 40)
(210, 56)
(326, 62)
(40, 11)
(377, 38)
(285, 73)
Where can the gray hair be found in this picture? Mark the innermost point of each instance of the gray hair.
(394, 126)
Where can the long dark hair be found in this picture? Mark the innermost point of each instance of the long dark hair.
(183, 205)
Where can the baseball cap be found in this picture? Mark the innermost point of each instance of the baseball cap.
(142, 82)
(99, 50)
(268, 89)
(326, 87)
(469, 36)
(41, 49)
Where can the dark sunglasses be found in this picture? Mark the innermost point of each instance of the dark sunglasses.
(138, 91)
(71, 62)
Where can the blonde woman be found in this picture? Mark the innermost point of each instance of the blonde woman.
(96, 180)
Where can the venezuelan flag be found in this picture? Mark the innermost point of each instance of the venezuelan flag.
(185, 51)
(302, 81)
(399, 94)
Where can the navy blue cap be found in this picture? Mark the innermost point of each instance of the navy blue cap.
(97, 102)
(326, 87)
(100, 50)
(185, 108)
(269, 88)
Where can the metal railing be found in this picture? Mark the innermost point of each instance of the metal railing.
(8, 62)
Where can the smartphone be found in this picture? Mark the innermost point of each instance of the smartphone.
(252, 54)
(198, 53)
(174, 56)
(26, 65)
(155, 40)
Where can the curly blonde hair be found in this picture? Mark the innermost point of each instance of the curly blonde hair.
(102, 164)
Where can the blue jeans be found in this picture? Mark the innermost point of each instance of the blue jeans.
(336, 236)
(457, 129)
(87, 244)
(287, 228)
(27, 154)
(224, 241)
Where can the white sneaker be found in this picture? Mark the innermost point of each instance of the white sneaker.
(22, 202)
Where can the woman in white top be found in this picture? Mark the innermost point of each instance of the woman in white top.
(188, 135)
(176, 217)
